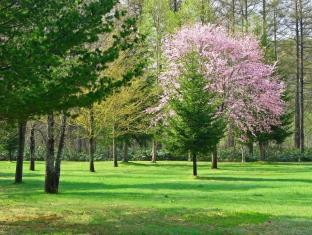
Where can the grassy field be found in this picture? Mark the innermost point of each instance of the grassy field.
(162, 198)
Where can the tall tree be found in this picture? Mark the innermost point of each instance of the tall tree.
(194, 125)
(61, 71)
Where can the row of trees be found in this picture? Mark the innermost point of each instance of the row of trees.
(64, 66)
(53, 59)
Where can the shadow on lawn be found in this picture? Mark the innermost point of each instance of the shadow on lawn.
(160, 164)
(136, 220)
(222, 178)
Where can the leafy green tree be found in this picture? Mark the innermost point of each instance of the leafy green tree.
(63, 65)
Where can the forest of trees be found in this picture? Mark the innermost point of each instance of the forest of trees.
(93, 80)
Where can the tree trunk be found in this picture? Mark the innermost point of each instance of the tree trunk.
(264, 16)
(79, 144)
(154, 151)
(10, 155)
(189, 157)
(114, 149)
(60, 151)
(301, 78)
(297, 99)
(194, 165)
(246, 17)
(214, 159)
(243, 155)
(233, 16)
(261, 151)
(175, 5)
(20, 155)
(125, 148)
(50, 183)
(91, 141)
(251, 149)
(32, 145)
(230, 138)
(275, 31)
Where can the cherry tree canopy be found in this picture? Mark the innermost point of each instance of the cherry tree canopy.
(234, 68)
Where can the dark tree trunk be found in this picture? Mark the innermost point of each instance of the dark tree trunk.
(114, 153)
(10, 155)
(301, 77)
(262, 151)
(154, 151)
(125, 148)
(114, 149)
(264, 16)
(297, 98)
(246, 16)
(20, 155)
(60, 151)
(50, 183)
(79, 144)
(194, 165)
(233, 16)
(32, 145)
(230, 138)
(214, 159)
(275, 31)
(175, 5)
(251, 149)
(91, 141)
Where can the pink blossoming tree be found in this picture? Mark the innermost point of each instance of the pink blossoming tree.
(234, 68)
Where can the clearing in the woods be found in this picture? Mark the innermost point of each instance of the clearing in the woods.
(162, 198)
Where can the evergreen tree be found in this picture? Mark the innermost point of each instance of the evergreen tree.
(195, 125)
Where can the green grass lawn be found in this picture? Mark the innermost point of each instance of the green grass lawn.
(162, 198)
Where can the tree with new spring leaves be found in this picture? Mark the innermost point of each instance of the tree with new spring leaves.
(63, 69)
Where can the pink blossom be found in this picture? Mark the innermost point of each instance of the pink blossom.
(233, 67)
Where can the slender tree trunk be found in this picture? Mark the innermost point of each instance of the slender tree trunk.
(154, 151)
(275, 31)
(243, 155)
(114, 149)
(79, 145)
(246, 17)
(214, 159)
(251, 149)
(233, 16)
(264, 16)
(301, 78)
(261, 151)
(60, 151)
(50, 183)
(297, 99)
(189, 156)
(175, 5)
(194, 164)
(20, 155)
(32, 145)
(230, 138)
(91, 141)
(125, 148)
(10, 155)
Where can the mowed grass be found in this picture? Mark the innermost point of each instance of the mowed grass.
(162, 198)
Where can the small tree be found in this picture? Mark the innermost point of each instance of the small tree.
(194, 124)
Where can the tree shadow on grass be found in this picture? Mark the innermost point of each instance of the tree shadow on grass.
(136, 220)
(158, 164)
(252, 179)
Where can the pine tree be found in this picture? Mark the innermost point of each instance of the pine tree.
(194, 126)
